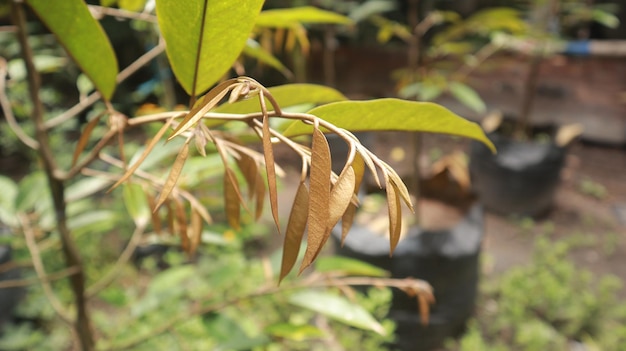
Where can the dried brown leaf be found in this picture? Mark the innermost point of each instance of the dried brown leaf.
(295, 230)
(358, 165)
(196, 230)
(424, 308)
(145, 154)
(341, 195)
(268, 152)
(232, 199)
(197, 206)
(248, 167)
(84, 138)
(181, 224)
(260, 196)
(346, 221)
(319, 198)
(210, 100)
(370, 164)
(400, 186)
(395, 214)
(157, 226)
(172, 178)
(170, 217)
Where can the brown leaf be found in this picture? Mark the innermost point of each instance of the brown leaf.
(260, 196)
(268, 152)
(197, 206)
(196, 230)
(341, 195)
(400, 186)
(248, 167)
(84, 137)
(319, 198)
(210, 100)
(231, 199)
(156, 219)
(172, 178)
(346, 221)
(358, 165)
(424, 308)
(145, 154)
(181, 224)
(170, 217)
(370, 164)
(395, 214)
(295, 230)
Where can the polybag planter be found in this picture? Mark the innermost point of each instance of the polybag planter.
(521, 179)
(447, 259)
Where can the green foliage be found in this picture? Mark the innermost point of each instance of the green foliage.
(547, 305)
(398, 115)
(290, 17)
(83, 38)
(204, 38)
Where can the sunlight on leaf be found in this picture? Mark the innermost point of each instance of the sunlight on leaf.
(204, 38)
(392, 114)
(83, 38)
(338, 308)
(288, 17)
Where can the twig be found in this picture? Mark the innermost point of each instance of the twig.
(16, 283)
(82, 324)
(113, 12)
(314, 280)
(8, 111)
(41, 271)
(121, 261)
(95, 96)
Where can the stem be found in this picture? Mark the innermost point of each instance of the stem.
(82, 324)
(530, 85)
(414, 63)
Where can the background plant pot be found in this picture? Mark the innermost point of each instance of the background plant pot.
(447, 259)
(520, 179)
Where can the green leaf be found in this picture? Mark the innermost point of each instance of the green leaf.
(7, 201)
(287, 18)
(348, 266)
(83, 38)
(287, 95)
(92, 222)
(136, 203)
(392, 114)
(337, 308)
(605, 18)
(204, 38)
(467, 96)
(33, 191)
(254, 50)
(294, 332)
(370, 8)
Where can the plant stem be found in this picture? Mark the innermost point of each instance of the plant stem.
(82, 324)
(414, 63)
(530, 85)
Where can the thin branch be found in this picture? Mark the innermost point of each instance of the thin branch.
(121, 261)
(17, 283)
(93, 154)
(95, 96)
(82, 324)
(8, 111)
(99, 11)
(413, 286)
(41, 271)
